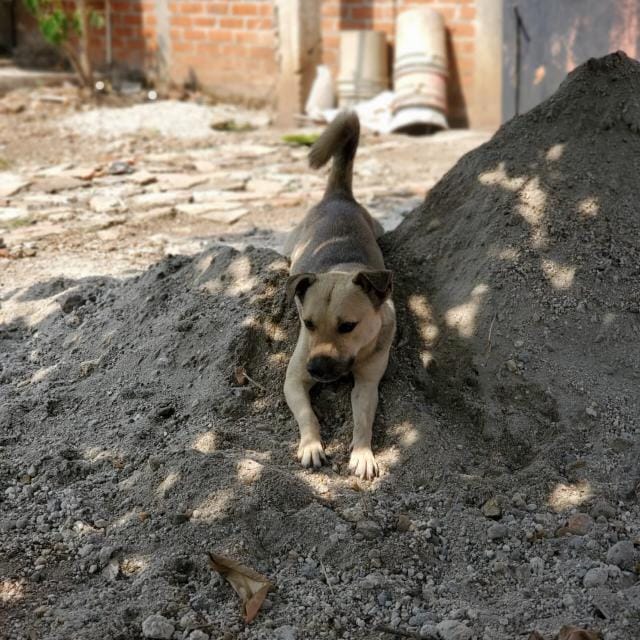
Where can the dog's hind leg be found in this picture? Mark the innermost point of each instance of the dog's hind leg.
(296, 391)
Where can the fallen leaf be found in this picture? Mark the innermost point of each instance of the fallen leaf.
(535, 635)
(251, 586)
(575, 633)
(240, 376)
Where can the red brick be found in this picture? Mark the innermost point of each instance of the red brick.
(208, 48)
(190, 7)
(467, 13)
(359, 13)
(205, 21)
(218, 8)
(131, 19)
(244, 9)
(253, 37)
(464, 29)
(231, 23)
(259, 23)
(221, 35)
(181, 46)
(180, 21)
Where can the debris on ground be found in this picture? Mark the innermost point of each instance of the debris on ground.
(251, 586)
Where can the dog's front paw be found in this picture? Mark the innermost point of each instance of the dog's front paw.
(311, 454)
(363, 464)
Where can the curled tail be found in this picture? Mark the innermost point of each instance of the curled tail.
(340, 141)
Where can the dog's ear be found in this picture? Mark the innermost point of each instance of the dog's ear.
(376, 284)
(297, 285)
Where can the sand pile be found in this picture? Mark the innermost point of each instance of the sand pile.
(527, 254)
(131, 444)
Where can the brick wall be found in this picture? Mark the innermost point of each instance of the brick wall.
(459, 17)
(229, 47)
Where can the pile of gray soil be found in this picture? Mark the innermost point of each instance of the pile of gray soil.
(507, 431)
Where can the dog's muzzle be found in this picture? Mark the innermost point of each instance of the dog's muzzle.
(326, 369)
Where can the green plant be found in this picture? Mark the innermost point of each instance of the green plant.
(301, 139)
(67, 28)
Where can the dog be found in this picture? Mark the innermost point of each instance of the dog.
(343, 295)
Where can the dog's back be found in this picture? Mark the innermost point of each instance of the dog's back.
(337, 231)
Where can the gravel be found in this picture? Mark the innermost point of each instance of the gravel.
(169, 118)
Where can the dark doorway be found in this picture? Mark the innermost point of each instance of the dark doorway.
(545, 39)
(7, 26)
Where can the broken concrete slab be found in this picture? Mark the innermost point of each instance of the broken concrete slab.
(13, 214)
(11, 183)
(177, 181)
(265, 187)
(159, 199)
(55, 184)
(143, 178)
(106, 203)
(213, 195)
(214, 211)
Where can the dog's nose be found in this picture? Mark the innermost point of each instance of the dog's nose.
(322, 367)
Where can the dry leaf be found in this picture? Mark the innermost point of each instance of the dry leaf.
(251, 586)
(575, 633)
(535, 635)
(240, 375)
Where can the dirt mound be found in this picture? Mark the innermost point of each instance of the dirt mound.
(131, 444)
(529, 256)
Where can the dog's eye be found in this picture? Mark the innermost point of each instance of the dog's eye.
(309, 325)
(346, 327)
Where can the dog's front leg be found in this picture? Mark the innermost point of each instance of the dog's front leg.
(364, 401)
(296, 391)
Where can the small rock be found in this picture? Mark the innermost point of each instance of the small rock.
(604, 509)
(7, 525)
(622, 555)
(197, 634)
(595, 577)
(512, 365)
(164, 411)
(428, 631)
(119, 168)
(180, 518)
(285, 632)
(591, 411)
(579, 524)
(492, 509)
(105, 204)
(403, 523)
(454, 630)
(369, 529)
(72, 302)
(497, 531)
(157, 627)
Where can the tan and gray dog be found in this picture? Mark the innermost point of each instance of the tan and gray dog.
(343, 295)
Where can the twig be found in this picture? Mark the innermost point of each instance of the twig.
(489, 336)
(326, 577)
(246, 375)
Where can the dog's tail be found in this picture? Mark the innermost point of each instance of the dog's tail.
(340, 141)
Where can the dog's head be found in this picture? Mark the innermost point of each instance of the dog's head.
(340, 312)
